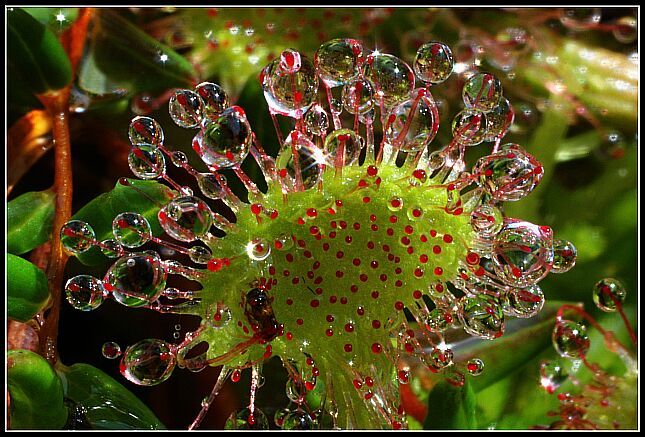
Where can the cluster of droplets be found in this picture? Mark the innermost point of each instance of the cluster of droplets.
(427, 236)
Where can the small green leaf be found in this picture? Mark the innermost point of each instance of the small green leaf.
(29, 220)
(100, 212)
(123, 55)
(36, 392)
(451, 407)
(35, 54)
(107, 403)
(27, 290)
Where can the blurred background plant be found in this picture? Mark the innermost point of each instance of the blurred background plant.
(571, 75)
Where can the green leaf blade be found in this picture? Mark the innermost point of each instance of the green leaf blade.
(27, 289)
(29, 220)
(451, 407)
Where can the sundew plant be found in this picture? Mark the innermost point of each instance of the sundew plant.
(324, 220)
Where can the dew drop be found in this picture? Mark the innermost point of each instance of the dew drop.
(552, 375)
(524, 302)
(178, 158)
(358, 96)
(482, 316)
(316, 120)
(214, 97)
(470, 127)
(608, 294)
(475, 367)
(284, 242)
(564, 256)
(225, 140)
(136, 279)
(438, 320)
(414, 123)
(244, 419)
(338, 61)
(111, 248)
(146, 161)
(76, 236)
(438, 359)
(487, 220)
(482, 91)
(145, 130)
(500, 119)
(570, 339)
(186, 108)
(298, 419)
(309, 157)
(290, 93)
(434, 62)
(210, 185)
(392, 78)
(148, 362)
(218, 315)
(131, 229)
(111, 350)
(258, 249)
(200, 254)
(186, 218)
(347, 139)
(84, 292)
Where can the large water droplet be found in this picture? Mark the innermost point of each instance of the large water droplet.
(524, 302)
(214, 97)
(145, 130)
(438, 320)
(76, 236)
(290, 93)
(358, 96)
(136, 279)
(475, 366)
(522, 253)
(510, 174)
(487, 220)
(345, 139)
(552, 375)
(500, 120)
(392, 78)
(434, 62)
(84, 292)
(131, 229)
(316, 120)
(111, 350)
(338, 61)
(298, 419)
(470, 127)
(608, 294)
(111, 248)
(186, 218)
(570, 339)
(482, 316)
(226, 140)
(186, 108)
(200, 254)
(243, 419)
(258, 249)
(564, 256)
(414, 123)
(210, 186)
(148, 362)
(146, 161)
(482, 91)
(438, 359)
(309, 158)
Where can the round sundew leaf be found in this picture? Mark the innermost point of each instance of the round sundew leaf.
(27, 289)
(36, 392)
(108, 404)
(125, 56)
(35, 53)
(451, 407)
(29, 220)
(100, 212)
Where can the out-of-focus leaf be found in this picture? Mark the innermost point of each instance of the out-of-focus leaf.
(451, 407)
(36, 392)
(100, 212)
(27, 291)
(20, 98)
(107, 403)
(122, 55)
(29, 220)
(34, 53)
(56, 19)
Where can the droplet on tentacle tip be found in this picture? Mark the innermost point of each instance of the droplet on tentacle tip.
(245, 419)
(609, 294)
(258, 249)
(186, 108)
(487, 220)
(552, 375)
(289, 93)
(145, 130)
(345, 139)
(570, 339)
(564, 256)
(148, 362)
(111, 350)
(146, 161)
(280, 414)
(338, 61)
(298, 419)
(76, 236)
(309, 159)
(524, 302)
(131, 229)
(84, 292)
(482, 316)
(225, 140)
(414, 123)
(210, 186)
(434, 62)
(111, 249)
(358, 96)
(214, 97)
(482, 91)
(475, 367)
(470, 127)
(186, 218)
(578, 19)
(200, 254)
(316, 120)
(500, 119)
(136, 279)
(392, 78)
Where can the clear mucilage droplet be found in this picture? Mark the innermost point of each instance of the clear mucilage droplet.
(244, 419)
(609, 294)
(308, 156)
(470, 127)
(214, 98)
(145, 130)
(136, 279)
(475, 367)
(186, 218)
(414, 123)
(111, 350)
(392, 78)
(111, 249)
(482, 91)
(225, 140)
(434, 62)
(345, 139)
(338, 61)
(131, 229)
(290, 92)
(298, 419)
(570, 339)
(524, 302)
(487, 220)
(552, 375)
(564, 256)
(146, 161)
(84, 292)
(316, 120)
(200, 254)
(186, 108)
(522, 253)
(358, 96)
(210, 186)
(500, 119)
(76, 236)
(148, 362)
(482, 316)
